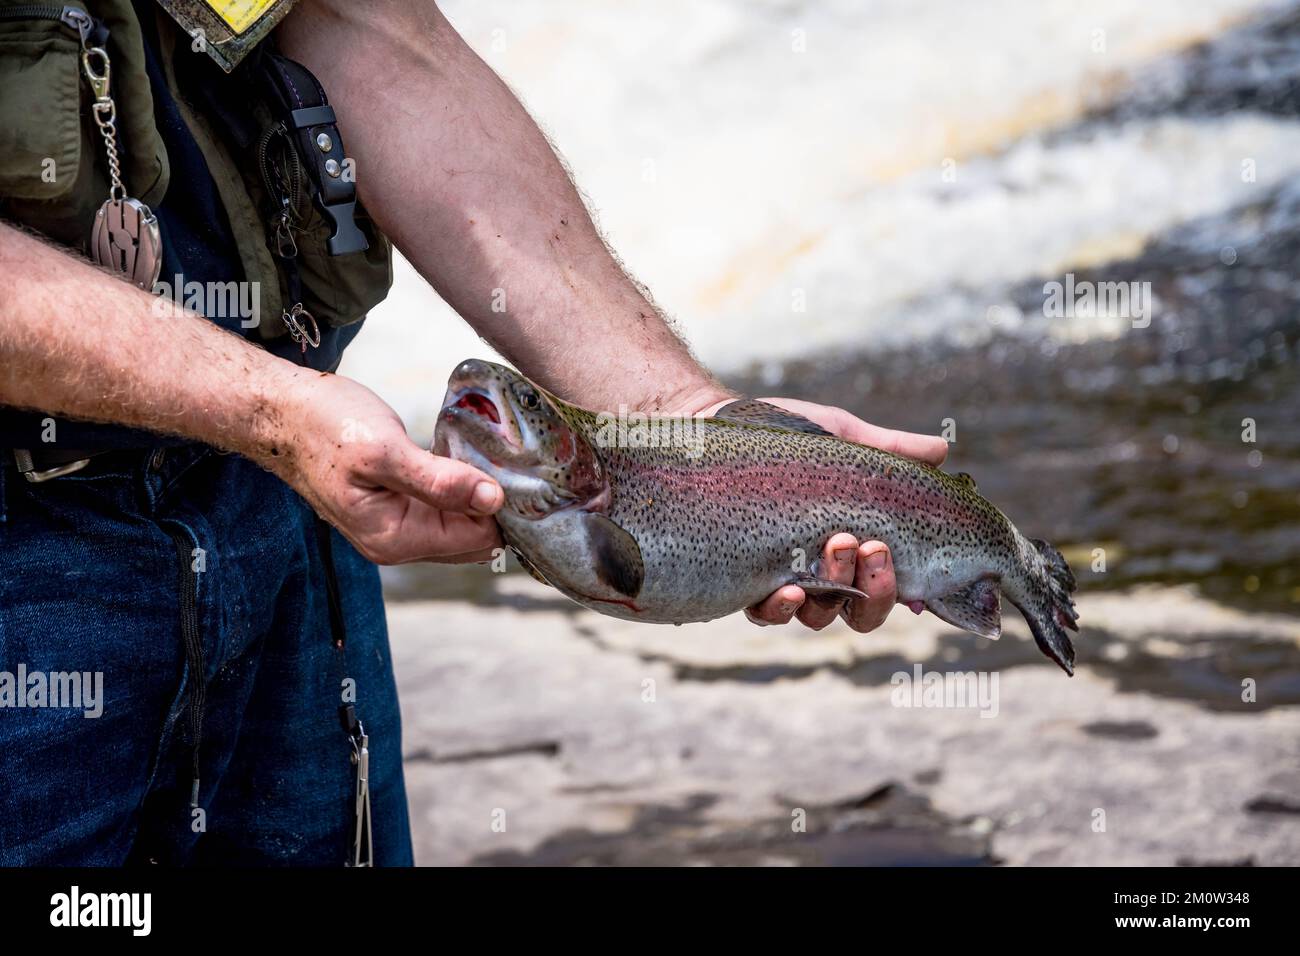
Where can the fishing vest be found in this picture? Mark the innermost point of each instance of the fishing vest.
(282, 180)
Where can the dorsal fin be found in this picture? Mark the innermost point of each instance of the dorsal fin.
(966, 479)
(750, 411)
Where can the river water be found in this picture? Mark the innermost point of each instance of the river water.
(862, 203)
(868, 204)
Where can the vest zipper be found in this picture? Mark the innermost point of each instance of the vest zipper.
(36, 11)
(73, 17)
(288, 192)
(284, 184)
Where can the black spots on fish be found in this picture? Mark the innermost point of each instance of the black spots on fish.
(788, 491)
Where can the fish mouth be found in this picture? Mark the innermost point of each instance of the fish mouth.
(477, 411)
(472, 404)
(478, 403)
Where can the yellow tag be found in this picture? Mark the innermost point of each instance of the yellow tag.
(239, 15)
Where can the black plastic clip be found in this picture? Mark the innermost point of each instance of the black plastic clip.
(311, 121)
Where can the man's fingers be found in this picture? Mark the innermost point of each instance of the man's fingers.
(928, 448)
(778, 607)
(868, 567)
(484, 556)
(431, 534)
(875, 576)
(838, 564)
(446, 535)
(442, 483)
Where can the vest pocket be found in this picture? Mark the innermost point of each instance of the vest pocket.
(53, 173)
(40, 106)
(340, 290)
(336, 290)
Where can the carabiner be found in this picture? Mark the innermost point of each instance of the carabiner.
(99, 82)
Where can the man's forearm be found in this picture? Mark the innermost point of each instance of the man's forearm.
(77, 342)
(455, 171)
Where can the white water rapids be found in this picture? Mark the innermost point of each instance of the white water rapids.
(791, 176)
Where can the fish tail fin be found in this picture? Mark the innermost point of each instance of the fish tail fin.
(1048, 608)
(1057, 566)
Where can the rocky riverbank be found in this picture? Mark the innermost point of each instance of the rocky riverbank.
(537, 732)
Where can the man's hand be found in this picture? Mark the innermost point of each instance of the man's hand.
(142, 361)
(500, 203)
(866, 566)
(347, 454)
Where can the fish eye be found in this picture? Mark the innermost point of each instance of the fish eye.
(528, 397)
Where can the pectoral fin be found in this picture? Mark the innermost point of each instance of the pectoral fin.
(976, 608)
(531, 568)
(615, 555)
(827, 592)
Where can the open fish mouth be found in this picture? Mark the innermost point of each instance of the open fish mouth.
(480, 417)
(478, 403)
(473, 405)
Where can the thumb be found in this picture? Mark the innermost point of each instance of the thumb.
(443, 483)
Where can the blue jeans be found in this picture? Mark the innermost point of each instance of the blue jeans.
(108, 571)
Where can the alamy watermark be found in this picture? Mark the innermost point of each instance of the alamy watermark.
(133, 911)
(973, 690)
(75, 690)
(1088, 300)
(215, 300)
(631, 429)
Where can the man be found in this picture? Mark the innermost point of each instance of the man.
(192, 580)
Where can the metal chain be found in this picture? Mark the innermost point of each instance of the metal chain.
(105, 113)
(108, 127)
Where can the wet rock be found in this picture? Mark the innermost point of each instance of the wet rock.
(649, 764)
(1121, 730)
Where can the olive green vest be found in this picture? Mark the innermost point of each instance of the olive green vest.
(53, 174)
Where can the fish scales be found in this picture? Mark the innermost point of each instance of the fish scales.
(730, 508)
(766, 496)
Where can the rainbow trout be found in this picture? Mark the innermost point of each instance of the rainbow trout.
(679, 520)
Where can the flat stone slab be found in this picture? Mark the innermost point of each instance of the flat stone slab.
(538, 732)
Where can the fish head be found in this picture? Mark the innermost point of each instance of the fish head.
(523, 436)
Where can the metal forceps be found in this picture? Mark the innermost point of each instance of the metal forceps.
(362, 847)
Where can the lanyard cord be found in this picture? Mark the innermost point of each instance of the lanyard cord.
(358, 741)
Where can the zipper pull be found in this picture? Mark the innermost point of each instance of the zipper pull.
(99, 74)
(80, 21)
(285, 244)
